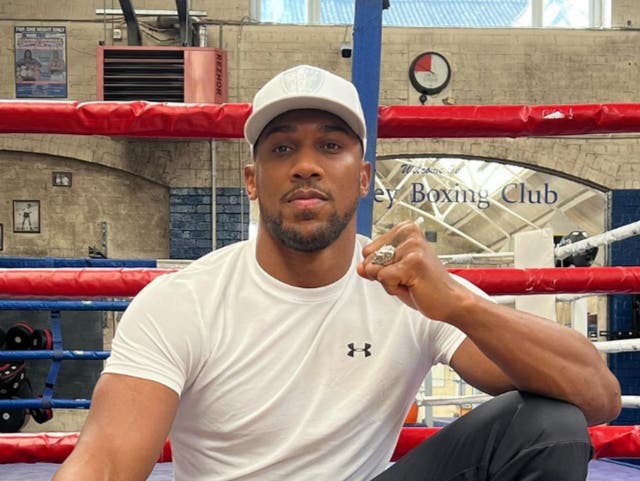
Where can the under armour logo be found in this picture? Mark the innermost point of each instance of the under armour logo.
(353, 349)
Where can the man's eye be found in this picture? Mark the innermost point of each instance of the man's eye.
(332, 146)
(281, 149)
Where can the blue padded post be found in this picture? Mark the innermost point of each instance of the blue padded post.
(365, 74)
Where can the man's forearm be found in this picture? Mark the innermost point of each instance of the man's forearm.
(541, 356)
(78, 467)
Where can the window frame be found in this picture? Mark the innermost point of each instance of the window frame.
(597, 13)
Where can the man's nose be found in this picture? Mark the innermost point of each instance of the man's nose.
(307, 163)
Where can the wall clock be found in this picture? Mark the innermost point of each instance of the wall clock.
(429, 73)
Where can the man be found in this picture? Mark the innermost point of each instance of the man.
(26, 219)
(297, 355)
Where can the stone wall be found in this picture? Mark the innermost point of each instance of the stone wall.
(134, 209)
(490, 66)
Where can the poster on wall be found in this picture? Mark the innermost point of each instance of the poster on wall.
(61, 179)
(26, 216)
(40, 62)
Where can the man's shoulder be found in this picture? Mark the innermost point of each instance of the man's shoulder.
(223, 254)
(217, 259)
(208, 268)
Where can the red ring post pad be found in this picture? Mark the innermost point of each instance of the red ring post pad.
(178, 120)
(124, 282)
(608, 441)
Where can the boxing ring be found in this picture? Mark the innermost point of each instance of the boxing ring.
(58, 287)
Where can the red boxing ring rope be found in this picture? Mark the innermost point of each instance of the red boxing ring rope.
(127, 282)
(511, 281)
(608, 442)
(87, 282)
(148, 119)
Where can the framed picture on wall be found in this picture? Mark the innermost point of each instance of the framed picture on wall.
(61, 179)
(40, 62)
(26, 216)
(1, 237)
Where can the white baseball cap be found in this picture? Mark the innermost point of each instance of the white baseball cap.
(305, 87)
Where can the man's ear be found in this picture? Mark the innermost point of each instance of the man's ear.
(250, 181)
(365, 178)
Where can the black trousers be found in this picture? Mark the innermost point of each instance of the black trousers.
(514, 437)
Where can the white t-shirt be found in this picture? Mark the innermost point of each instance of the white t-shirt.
(279, 382)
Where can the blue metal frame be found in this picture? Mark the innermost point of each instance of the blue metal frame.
(57, 354)
(365, 74)
(57, 305)
(39, 403)
(50, 262)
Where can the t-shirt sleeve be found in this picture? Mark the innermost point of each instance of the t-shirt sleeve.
(159, 336)
(446, 339)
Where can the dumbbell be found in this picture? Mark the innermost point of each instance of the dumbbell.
(22, 336)
(18, 337)
(41, 339)
(12, 420)
(12, 376)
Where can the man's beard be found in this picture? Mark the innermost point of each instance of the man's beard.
(321, 238)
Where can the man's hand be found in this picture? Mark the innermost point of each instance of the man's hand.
(414, 274)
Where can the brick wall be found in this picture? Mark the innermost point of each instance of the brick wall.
(190, 222)
(86, 9)
(232, 216)
(625, 13)
(135, 210)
